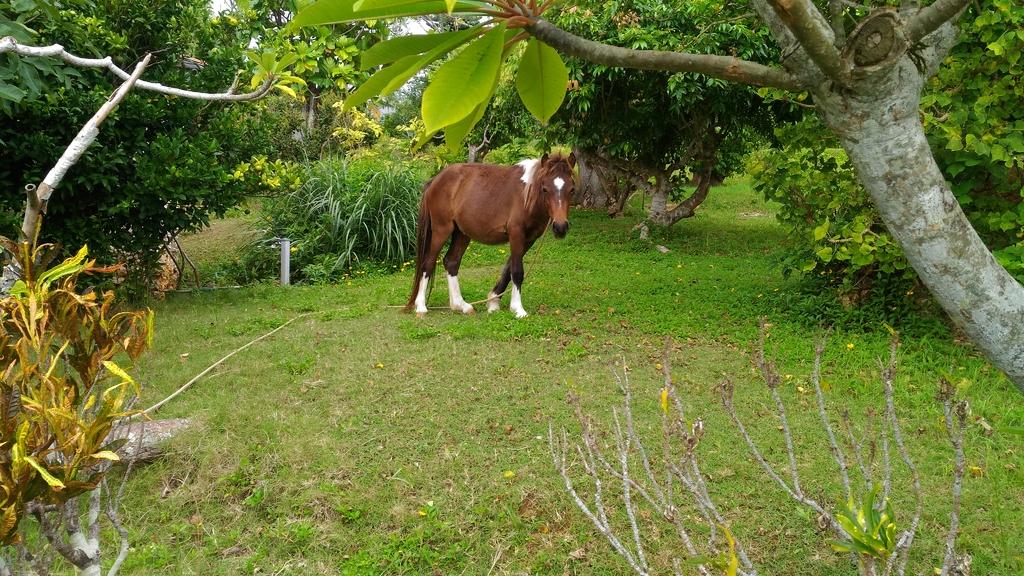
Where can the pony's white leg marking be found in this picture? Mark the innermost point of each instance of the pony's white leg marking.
(421, 296)
(516, 305)
(455, 296)
(493, 302)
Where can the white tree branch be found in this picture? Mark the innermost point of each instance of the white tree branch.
(9, 44)
(931, 18)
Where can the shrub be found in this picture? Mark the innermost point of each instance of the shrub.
(61, 392)
(512, 152)
(347, 213)
(160, 165)
(836, 233)
(975, 124)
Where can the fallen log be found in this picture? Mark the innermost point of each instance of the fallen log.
(146, 439)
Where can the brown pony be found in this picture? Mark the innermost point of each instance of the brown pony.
(494, 205)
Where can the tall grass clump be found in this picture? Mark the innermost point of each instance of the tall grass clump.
(349, 214)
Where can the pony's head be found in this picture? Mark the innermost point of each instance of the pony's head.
(556, 182)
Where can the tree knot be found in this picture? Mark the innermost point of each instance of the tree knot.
(877, 42)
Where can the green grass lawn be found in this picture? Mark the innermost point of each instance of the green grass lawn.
(362, 441)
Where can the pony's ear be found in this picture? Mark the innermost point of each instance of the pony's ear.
(544, 158)
(572, 159)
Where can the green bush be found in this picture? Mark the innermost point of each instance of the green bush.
(512, 153)
(837, 234)
(975, 123)
(160, 165)
(348, 213)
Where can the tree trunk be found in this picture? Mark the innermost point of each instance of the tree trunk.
(881, 131)
(310, 111)
(660, 214)
(591, 191)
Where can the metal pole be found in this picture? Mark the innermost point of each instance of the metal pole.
(286, 264)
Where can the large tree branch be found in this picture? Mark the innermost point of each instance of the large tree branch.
(723, 67)
(931, 18)
(815, 36)
(9, 44)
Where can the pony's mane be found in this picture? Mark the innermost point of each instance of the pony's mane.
(531, 167)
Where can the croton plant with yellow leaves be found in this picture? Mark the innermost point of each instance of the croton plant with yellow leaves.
(63, 389)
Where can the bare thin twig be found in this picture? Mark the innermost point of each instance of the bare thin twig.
(837, 453)
(955, 417)
(772, 380)
(901, 555)
(727, 391)
(858, 450)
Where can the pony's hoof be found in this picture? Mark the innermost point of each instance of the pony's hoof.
(421, 314)
(521, 314)
(466, 309)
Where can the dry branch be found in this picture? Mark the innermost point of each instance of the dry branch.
(657, 488)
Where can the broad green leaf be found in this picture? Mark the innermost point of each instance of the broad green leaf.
(376, 83)
(66, 268)
(386, 81)
(821, 231)
(11, 92)
(451, 5)
(457, 132)
(841, 546)
(339, 11)
(364, 5)
(542, 80)
(400, 47)
(425, 60)
(286, 61)
(50, 479)
(287, 90)
(463, 82)
(107, 455)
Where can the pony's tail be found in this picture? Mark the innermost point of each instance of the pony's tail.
(422, 245)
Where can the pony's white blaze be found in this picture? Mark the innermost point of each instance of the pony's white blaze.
(559, 183)
(493, 302)
(421, 296)
(516, 305)
(455, 296)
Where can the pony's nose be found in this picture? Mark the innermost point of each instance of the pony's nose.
(560, 228)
